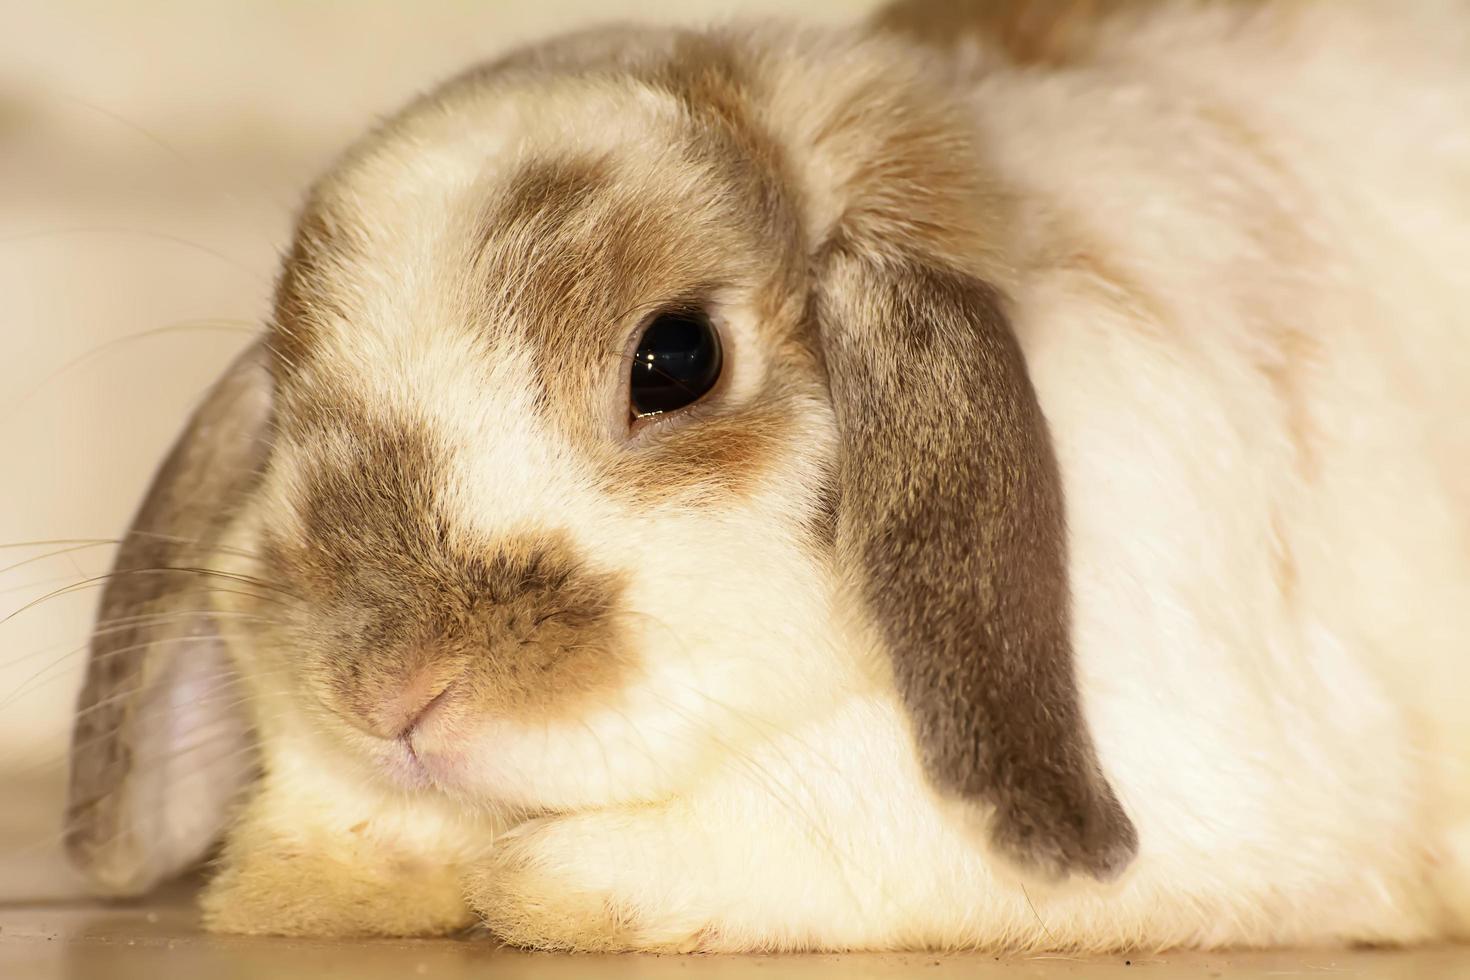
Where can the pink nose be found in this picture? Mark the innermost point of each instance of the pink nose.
(397, 712)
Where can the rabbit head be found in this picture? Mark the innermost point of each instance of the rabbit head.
(637, 394)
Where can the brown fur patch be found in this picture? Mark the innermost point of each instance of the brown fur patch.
(302, 299)
(518, 626)
(574, 264)
(1045, 32)
(952, 507)
(541, 199)
(724, 453)
(1051, 33)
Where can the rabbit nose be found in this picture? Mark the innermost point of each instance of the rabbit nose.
(398, 712)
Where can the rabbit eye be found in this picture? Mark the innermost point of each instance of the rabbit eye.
(677, 362)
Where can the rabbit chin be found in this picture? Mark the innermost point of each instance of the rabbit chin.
(638, 746)
(644, 741)
(561, 765)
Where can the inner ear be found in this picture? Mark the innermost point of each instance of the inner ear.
(951, 506)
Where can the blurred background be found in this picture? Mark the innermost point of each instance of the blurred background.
(151, 156)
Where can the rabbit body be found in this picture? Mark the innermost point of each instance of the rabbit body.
(1234, 250)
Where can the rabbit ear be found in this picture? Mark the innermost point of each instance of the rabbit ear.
(161, 747)
(951, 504)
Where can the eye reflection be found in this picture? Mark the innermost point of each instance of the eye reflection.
(677, 362)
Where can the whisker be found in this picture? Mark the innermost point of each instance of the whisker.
(120, 623)
(157, 570)
(220, 325)
(247, 762)
(33, 683)
(55, 542)
(101, 625)
(225, 682)
(50, 580)
(159, 236)
(133, 532)
(192, 166)
(219, 686)
(180, 539)
(140, 621)
(192, 748)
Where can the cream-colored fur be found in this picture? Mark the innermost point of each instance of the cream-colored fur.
(1240, 271)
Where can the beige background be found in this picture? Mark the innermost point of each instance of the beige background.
(150, 159)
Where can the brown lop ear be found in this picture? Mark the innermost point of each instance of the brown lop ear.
(951, 504)
(161, 746)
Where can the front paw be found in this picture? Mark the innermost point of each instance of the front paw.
(586, 883)
(300, 891)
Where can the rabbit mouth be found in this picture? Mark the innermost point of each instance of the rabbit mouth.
(409, 767)
(424, 754)
(404, 767)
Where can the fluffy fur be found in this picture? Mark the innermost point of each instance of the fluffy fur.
(1230, 242)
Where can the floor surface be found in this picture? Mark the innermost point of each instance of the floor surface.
(161, 939)
(62, 936)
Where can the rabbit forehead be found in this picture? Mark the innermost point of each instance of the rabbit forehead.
(402, 237)
(491, 281)
(459, 141)
(509, 200)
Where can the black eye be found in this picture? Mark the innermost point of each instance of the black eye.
(677, 362)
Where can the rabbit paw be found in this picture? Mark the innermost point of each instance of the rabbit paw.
(590, 883)
(300, 891)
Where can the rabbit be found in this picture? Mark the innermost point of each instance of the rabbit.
(992, 476)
